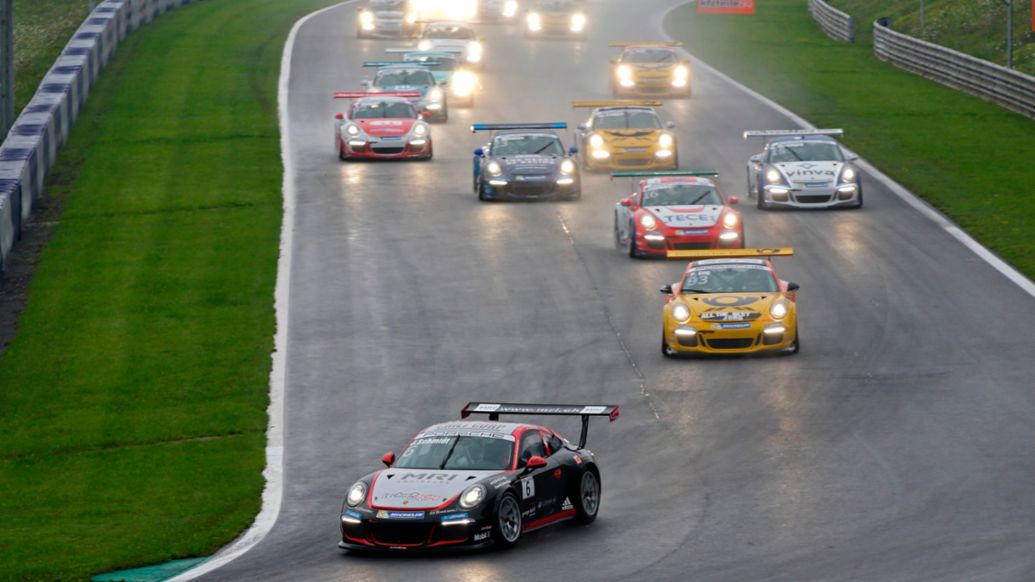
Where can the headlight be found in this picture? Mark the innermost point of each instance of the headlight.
(357, 493)
(848, 175)
(494, 168)
(435, 94)
(625, 72)
(578, 21)
(778, 309)
(424, 45)
(420, 130)
(510, 8)
(648, 221)
(665, 141)
(366, 18)
(411, 17)
(535, 22)
(681, 313)
(352, 130)
(729, 220)
(472, 497)
(773, 176)
(567, 167)
(463, 83)
(474, 51)
(681, 72)
(596, 141)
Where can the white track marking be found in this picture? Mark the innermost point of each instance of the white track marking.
(273, 492)
(908, 197)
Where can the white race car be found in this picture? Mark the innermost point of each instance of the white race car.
(803, 168)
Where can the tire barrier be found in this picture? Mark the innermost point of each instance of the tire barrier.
(30, 148)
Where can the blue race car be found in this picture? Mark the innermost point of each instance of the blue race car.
(525, 161)
(394, 77)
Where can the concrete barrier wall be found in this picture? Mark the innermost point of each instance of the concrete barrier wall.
(31, 147)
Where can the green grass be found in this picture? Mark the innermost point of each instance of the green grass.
(968, 157)
(975, 27)
(41, 29)
(134, 394)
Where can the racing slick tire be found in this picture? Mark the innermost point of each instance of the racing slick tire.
(630, 247)
(506, 529)
(796, 346)
(618, 237)
(859, 204)
(665, 350)
(480, 188)
(760, 195)
(587, 505)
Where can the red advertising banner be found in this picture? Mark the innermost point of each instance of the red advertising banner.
(729, 6)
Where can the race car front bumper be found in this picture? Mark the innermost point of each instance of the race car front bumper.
(732, 337)
(380, 149)
(366, 529)
(658, 242)
(530, 187)
(631, 158)
(825, 197)
(653, 86)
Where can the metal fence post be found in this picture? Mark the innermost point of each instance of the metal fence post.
(6, 65)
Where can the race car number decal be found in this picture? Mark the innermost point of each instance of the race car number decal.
(527, 488)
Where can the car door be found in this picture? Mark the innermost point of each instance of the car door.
(539, 488)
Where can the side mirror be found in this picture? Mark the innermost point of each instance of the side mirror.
(388, 459)
(853, 158)
(666, 289)
(573, 150)
(535, 462)
(792, 286)
(670, 125)
(627, 202)
(340, 116)
(480, 152)
(582, 127)
(733, 200)
(755, 159)
(365, 84)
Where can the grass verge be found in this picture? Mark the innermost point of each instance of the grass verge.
(41, 29)
(134, 393)
(969, 158)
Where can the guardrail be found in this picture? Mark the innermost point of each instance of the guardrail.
(836, 24)
(1006, 87)
(31, 146)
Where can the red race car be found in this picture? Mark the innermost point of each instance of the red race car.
(676, 210)
(381, 125)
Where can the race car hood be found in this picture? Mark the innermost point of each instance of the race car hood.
(422, 488)
(809, 173)
(628, 138)
(531, 165)
(651, 67)
(449, 43)
(730, 306)
(442, 76)
(686, 216)
(385, 127)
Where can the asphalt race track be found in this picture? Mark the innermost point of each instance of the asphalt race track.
(896, 446)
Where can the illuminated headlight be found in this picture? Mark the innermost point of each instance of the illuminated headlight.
(666, 141)
(678, 83)
(681, 72)
(493, 168)
(848, 175)
(357, 493)
(463, 83)
(648, 221)
(780, 191)
(352, 130)
(774, 329)
(625, 72)
(595, 141)
(346, 517)
(681, 313)
(773, 176)
(663, 154)
(535, 22)
(778, 309)
(846, 189)
(435, 94)
(729, 220)
(418, 142)
(565, 181)
(497, 182)
(424, 45)
(366, 20)
(601, 154)
(510, 8)
(420, 130)
(686, 330)
(474, 51)
(567, 167)
(728, 236)
(578, 22)
(472, 497)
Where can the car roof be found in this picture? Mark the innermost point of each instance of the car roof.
(677, 180)
(487, 428)
(382, 99)
(801, 139)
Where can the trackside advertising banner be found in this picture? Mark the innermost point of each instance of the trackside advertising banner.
(728, 6)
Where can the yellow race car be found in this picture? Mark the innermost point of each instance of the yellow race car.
(627, 135)
(555, 17)
(647, 69)
(730, 301)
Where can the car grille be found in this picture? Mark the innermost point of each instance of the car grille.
(402, 534)
(730, 344)
(691, 246)
(813, 198)
(389, 150)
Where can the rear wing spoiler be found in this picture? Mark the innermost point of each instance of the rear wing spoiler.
(731, 253)
(362, 94)
(379, 64)
(767, 133)
(502, 126)
(662, 173)
(646, 44)
(494, 410)
(619, 103)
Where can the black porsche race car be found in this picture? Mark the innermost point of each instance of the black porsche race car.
(524, 161)
(467, 484)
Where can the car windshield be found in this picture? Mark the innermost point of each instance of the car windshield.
(627, 119)
(458, 452)
(389, 4)
(649, 56)
(730, 278)
(398, 77)
(383, 109)
(556, 5)
(445, 62)
(513, 145)
(813, 151)
(448, 31)
(681, 195)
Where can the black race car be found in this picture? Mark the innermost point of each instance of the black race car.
(525, 160)
(467, 484)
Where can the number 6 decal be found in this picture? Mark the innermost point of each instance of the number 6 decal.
(527, 488)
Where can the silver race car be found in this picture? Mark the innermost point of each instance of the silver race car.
(803, 168)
